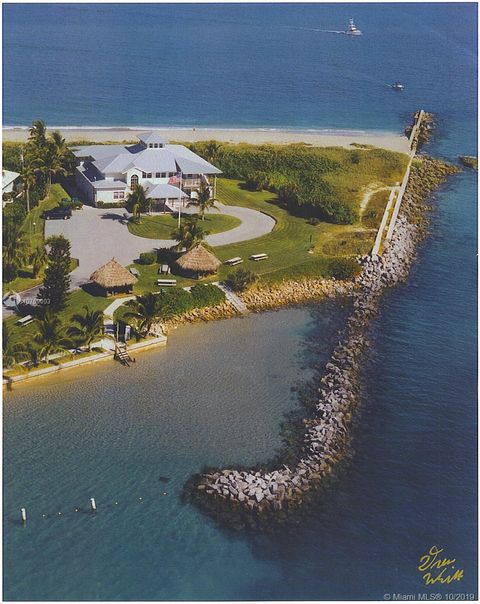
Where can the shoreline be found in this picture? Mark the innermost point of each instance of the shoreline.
(316, 137)
(256, 497)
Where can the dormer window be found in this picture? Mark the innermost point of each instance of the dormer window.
(133, 181)
(155, 145)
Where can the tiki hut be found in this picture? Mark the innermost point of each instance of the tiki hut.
(198, 262)
(113, 278)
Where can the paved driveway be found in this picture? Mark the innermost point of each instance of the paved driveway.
(97, 235)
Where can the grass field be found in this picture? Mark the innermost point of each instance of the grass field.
(289, 246)
(376, 206)
(161, 227)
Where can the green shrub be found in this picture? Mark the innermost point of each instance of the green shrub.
(206, 295)
(343, 268)
(241, 279)
(110, 204)
(256, 181)
(177, 300)
(147, 258)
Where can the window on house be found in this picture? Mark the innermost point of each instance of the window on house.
(150, 146)
(149, 175)
(157, 175)
(156, 145)
(171, 173)
(134, 180)
(164, 175)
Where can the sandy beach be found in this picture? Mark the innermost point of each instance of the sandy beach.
(319, 138)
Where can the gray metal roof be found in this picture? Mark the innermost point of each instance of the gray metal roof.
(111, 159)
(183, 154)
(155, 160)
(99, 151)
(163, 191)
(152, 136)
(116, 164)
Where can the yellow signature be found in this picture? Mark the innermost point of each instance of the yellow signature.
(439, 569)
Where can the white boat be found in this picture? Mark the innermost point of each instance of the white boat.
(352, 29)
(397, 86)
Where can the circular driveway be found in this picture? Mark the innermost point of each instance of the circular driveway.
(97, 234)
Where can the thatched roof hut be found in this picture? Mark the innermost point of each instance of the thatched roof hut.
(113, 278)
(198, 261)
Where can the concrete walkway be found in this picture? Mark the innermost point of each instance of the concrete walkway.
(96, 235)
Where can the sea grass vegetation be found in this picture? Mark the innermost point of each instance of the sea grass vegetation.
(326, 182)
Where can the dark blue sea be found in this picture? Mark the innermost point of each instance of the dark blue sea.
(218, 392)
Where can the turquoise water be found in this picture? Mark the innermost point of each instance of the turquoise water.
(218, 392)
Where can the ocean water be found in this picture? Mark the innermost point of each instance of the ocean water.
(217, 394)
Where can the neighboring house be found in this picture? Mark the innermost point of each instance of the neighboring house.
(8, 180)
(168, 173)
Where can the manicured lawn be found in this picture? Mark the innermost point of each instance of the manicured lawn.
(161, 227)
(287, 246)
(76, 302)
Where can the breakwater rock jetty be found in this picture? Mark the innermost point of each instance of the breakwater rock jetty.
(242, 496)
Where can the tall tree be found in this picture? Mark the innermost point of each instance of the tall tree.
(50, 336)
(15, 249)
(189, 234)
(89, 327)
(211, 150)
(137, 198)
(38, 133)
(29, 179)
(204, 199)
(54, 291)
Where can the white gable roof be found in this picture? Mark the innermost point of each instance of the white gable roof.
(8, 177)
(151, 137)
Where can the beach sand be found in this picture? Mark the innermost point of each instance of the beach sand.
(385, 140)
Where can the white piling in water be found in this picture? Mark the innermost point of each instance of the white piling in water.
(93, 505)
(23, 512)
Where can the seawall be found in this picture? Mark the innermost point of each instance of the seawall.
(233, 495)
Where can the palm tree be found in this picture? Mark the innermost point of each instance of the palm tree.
(29, 179)
(13, 352)
(89, 328)
(204, 199)
(211, 150)
(137, 202)
(38, 133)
(38, 260)
(145, 310)
(15, 248)
(51, 336)
(189, 234)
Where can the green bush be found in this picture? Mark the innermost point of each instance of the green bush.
(206, 295)
(342, 268)
(241, 279)
(256, 181)
(177, 300)
(110, 204)
(147, 258)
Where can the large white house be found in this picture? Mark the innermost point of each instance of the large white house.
(168, 173)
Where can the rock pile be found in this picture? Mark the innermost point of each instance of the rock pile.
(326, 434)
(295, 292)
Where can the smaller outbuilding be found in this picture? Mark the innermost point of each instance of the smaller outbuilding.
(113, 278)
(198, 262)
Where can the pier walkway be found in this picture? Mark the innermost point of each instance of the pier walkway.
(389, 219)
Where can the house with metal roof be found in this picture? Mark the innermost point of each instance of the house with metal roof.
(170, 174)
